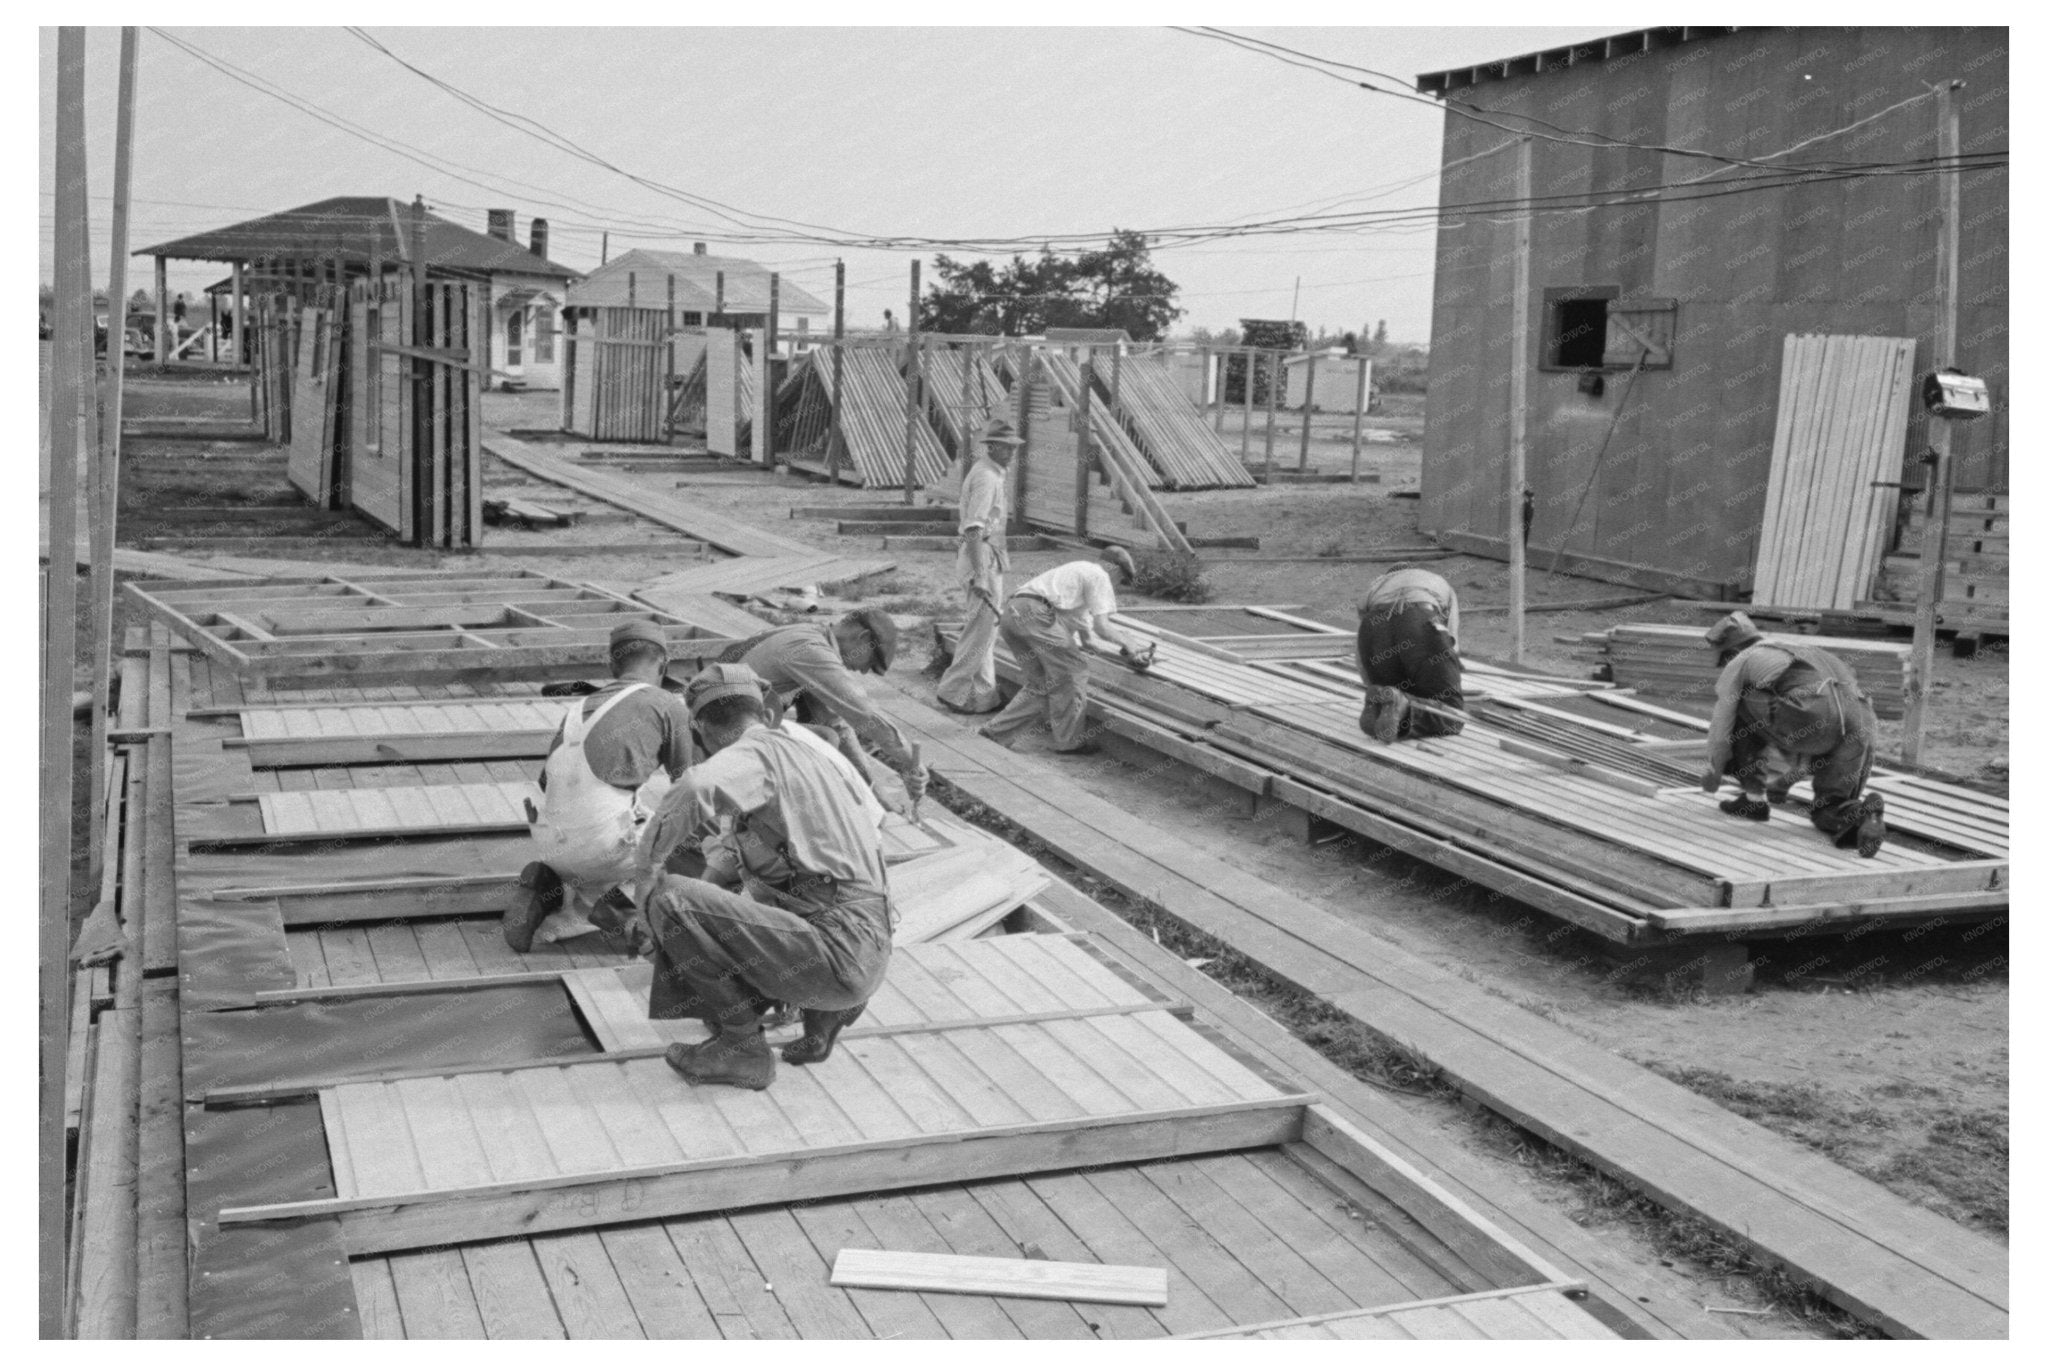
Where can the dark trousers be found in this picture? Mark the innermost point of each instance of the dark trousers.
(1408, 647)
(719, 956)
(1836, 744)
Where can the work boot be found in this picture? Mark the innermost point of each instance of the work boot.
(1385, 709)
(821, 1031)
(725, 1059)
(1755, 808)
(544, 899)
(1870, 830)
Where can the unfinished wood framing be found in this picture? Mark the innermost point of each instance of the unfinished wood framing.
(378, 627)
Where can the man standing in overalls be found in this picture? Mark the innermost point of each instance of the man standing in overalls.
(1804, 704)
(780, 894)
(969, 684)
(613, 758)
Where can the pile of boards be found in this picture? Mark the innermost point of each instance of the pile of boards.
(1975, 593)
(874, 421)
(1677, 662)
(1169, 429)
(1835, 462)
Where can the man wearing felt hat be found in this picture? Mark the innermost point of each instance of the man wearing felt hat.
(809, 670)
(1796, 702)
(969, 684)
(612, 758)
(809, 922)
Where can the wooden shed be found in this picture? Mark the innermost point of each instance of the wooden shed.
(638, 328)
(1667, 230)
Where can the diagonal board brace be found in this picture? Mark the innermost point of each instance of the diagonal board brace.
(517, 1208)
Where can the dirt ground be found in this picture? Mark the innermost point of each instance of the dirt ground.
(1888, 1050)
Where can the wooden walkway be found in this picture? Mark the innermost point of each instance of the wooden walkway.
(1910, 1271)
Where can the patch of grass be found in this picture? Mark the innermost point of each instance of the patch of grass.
(1965, 1161)
(1173, 575)
(1801, 1111)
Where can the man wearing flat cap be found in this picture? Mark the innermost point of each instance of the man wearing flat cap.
(1799, 703)
(791, 900)
(809, 669)
(611, 760)
(969, 684)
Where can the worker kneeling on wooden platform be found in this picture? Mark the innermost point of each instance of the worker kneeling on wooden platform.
(792, 905)
(1408, 652)
(1802, 704)
(808, 672)
(608, 767)
(1047, 624)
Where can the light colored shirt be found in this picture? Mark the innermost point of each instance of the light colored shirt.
(804, 660)
(1079, 592)
(985, 501)
(778, 793)
(1406, 583)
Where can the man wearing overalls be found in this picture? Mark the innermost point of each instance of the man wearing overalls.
(781, 897)
(1804, 704)
(613, 758)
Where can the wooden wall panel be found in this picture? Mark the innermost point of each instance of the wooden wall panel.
(1681, 488)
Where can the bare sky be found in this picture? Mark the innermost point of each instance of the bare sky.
(931, 132)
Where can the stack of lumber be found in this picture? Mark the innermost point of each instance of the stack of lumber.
(1170, 430)
(1974, 583)
(871, 419)
(1841, 435)
(1676, 661)
(1108, 434)
(962, 393)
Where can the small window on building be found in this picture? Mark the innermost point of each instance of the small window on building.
(1592, 327)
(1575, 326)
(544, 336)
(515, 337)
(693, 320)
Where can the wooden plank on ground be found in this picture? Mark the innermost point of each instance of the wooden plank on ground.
(1023, 1277)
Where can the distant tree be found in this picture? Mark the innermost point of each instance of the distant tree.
(1350, 343)
(1379, 334)
(1116, 286)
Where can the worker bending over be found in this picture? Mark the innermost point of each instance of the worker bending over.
(808, 670)
(1408, 652)
(1047, 624)
(1799, 705)
(969, 683)
(791, 904)
(609, 764)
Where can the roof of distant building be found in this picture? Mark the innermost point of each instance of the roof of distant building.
(352, 228)
(642, 276)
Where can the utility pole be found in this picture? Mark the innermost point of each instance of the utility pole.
(106, 493)
(1518, 411)
(766, 417)
(912, 382)
(70, 381)
(1940, 434)
(836, 442)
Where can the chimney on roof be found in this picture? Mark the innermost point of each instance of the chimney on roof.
(539, 238)
(498, 223)
(697, 248)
